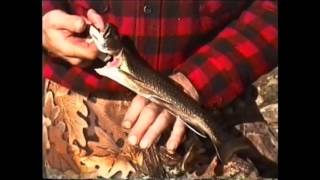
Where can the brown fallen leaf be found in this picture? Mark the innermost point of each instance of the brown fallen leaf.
(45, 85)
(45, 140)
(123, 166)
(50, 114)
(71, 174)
(51, 111)
(58, 156)
(93, 119)
(108, 166)
(109, 121)
(133, 153)
(70, 106)
(105, 146)
(58, 89)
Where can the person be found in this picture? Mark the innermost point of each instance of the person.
(214, 49)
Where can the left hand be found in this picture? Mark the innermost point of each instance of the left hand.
(147, 120)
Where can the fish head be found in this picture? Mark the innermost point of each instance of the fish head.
(108, 42)
(111, 44)
(111, 50)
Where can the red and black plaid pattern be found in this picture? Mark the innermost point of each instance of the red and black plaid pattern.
(221, 46)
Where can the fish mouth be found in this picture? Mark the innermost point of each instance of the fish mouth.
(113, 62)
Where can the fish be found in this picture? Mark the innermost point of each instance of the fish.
(130, 71)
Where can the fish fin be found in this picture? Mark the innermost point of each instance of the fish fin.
(158, 99)
(164, 102)
(192, 129)
(229, 148)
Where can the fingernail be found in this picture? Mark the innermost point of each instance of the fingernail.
(133, 140)
(92, 11)
(126, 124)
(144, 144)
(171, 147)
(80, 25)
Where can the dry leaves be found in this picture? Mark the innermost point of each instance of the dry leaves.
(102, 149)
(108, 166)
(71, 105)
(45, 124)
(50, 114)
(68, 119)
(110, 114)
(105, 146)
(58, 156)
(51, 111)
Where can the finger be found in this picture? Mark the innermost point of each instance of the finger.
(80, 48)
(73, 61)
(64, 44)
(96, 19)
(78, 62)
(86, 20)
(176, 136)
(163, 121)
(61, 20)
(146, 118)
(85, 64)
(133, 111)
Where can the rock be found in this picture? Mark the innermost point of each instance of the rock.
(267, 86)
(267, 100)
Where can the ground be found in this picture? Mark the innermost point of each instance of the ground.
(64, 125)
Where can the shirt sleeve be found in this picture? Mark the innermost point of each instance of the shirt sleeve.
(244, 50)
(79, 79)
(48, 5)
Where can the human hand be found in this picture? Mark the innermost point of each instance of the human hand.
(148, 120)
(61, 36)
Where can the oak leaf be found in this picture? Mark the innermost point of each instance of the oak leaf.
(45, 124)
(108, 166)
(71, 106)
(50, 114)
(105, 146)
(51, 111)
(58, 156)
(110, 114)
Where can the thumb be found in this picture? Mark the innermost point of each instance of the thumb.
(61, 20)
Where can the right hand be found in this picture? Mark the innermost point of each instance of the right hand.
(60, 36)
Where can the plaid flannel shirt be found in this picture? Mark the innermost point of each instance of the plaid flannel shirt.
(222, 46)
